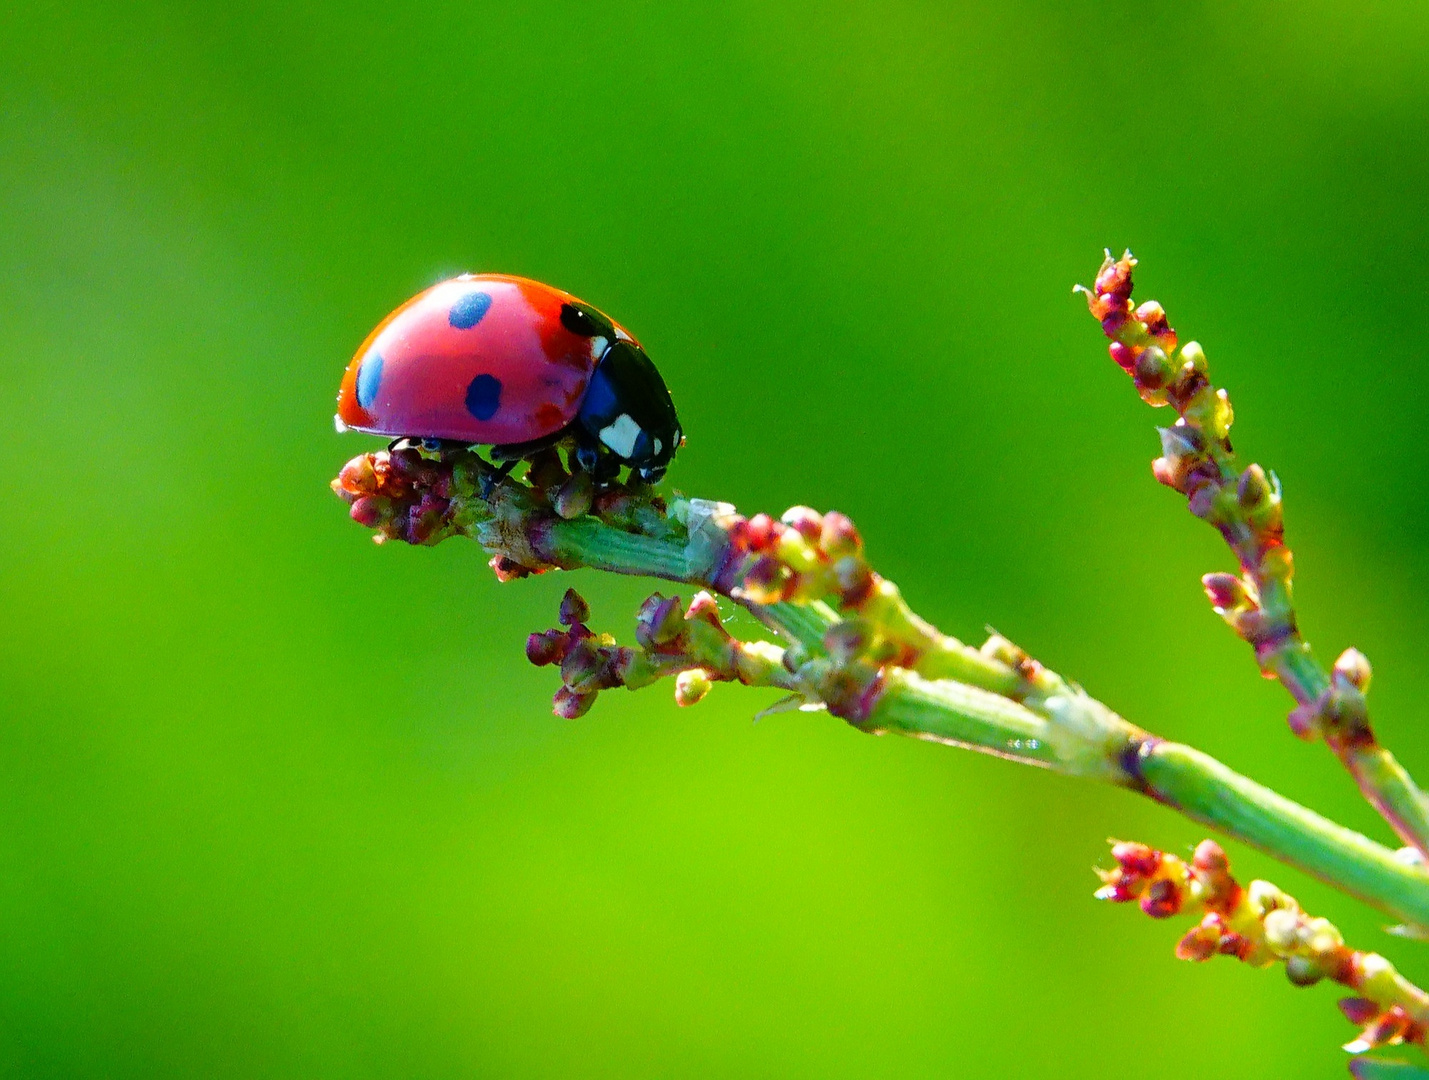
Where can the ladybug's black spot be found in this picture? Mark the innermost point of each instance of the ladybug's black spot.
(483, 396)
(578, 321)
(584, 321)
(467, 311)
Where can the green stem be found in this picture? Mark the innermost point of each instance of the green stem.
(1206, 791)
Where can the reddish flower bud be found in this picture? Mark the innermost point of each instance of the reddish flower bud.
(507, 569)
(1202, 941)
(546, 647)
(805, 521)
(367, 510)
(358, 477)
(1225, 591)
(1153, 316)
(704, 606)
(761, 533)
(574, 609)
(839, 537)
(1114, 277)
(570, 705)
(1162, 899)
(1134, 858)
(1153, 369)
(1124, 355)
(1210, 858)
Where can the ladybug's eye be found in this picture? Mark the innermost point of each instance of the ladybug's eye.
(585, 321)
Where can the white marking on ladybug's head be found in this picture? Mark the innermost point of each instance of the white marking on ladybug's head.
(598, 345)
(621, 434)
(337, 423)
(658, 447)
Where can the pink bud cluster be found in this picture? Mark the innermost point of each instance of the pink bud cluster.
(1380, 1026)
(1260, 925)
(589, 662)
(802, 556)
(689, 642)
(404, 496)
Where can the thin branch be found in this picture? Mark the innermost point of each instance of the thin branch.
(1261, 925)
(1245, 507)
(850, 644)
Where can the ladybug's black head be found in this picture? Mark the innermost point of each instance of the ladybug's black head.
(626, 407)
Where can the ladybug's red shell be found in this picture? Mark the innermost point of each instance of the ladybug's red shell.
(482, 358)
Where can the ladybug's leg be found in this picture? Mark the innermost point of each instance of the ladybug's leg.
(490, 478)
(587, 454)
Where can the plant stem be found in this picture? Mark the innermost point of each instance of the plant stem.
(1207, 791)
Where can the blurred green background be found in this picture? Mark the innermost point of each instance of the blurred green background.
(277, 802)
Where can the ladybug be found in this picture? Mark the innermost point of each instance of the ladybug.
(516, 365)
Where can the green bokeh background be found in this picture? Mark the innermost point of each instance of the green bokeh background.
(277, 802)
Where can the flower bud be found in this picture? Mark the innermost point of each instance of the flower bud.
(765, 579)
(1354, 668)
(1201, 942)
(855, 580)
(573, 497)
(1124, 356)
(1153, 369)
(368, 510)
(546, 647)
(1324, 937)
(1282, 929)
(838, 537)
(805, 521)
(574, 609)
(691, 686)
(1253, 488)
(1162, 899)
(760, 533)
(1303, 970)
(358, 477)
(1226, 592)
(1114, 277)
(1153, 316)
(582, 667)
(703, 606)
(846, 640)
(507, 569)
(570, 705)
(1134, 858)
(1193, 354)
(659, 622)
(1265, 897)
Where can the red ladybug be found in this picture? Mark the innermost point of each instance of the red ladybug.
(510, 363)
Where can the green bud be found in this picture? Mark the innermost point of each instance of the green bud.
(1194, 355)
(691, 686)
(1303, 971)
(1282, 930)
